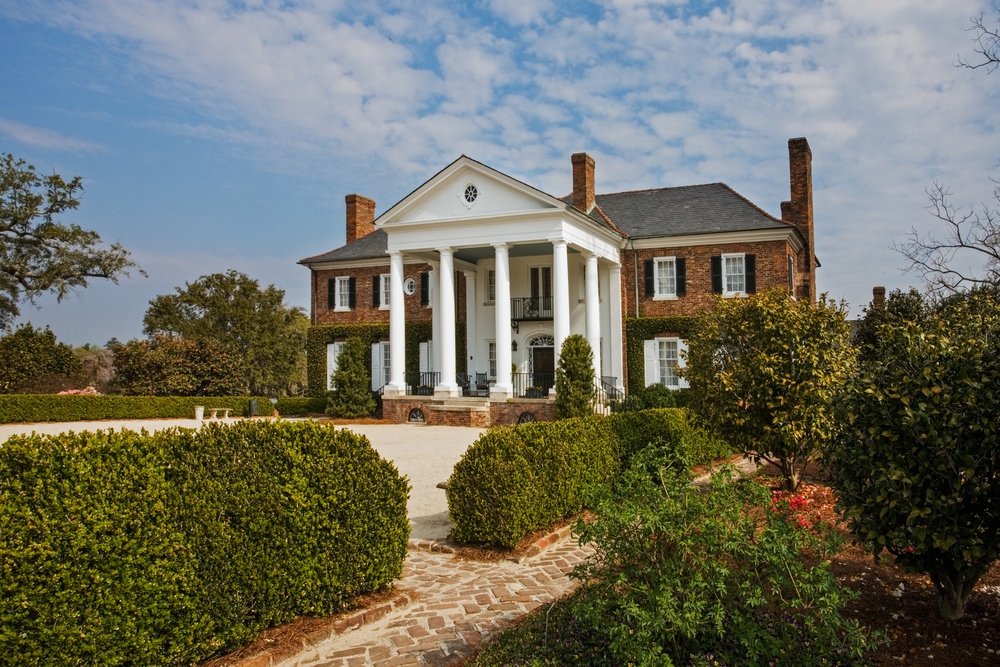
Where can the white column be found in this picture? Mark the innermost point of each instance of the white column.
(593, 312)
(560, 294)
(397, 327)
(435, 276)
(503, 388)
(447, 387)
(615, 294)
(470, 322)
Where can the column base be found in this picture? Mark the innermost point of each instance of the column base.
(501, 393)
(394, 390)
(447, 391)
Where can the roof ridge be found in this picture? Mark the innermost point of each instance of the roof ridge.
(669, 187)
(790, 224)
(609, 220)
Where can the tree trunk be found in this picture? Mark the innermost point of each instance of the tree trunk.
(790, 474)
(953, 590)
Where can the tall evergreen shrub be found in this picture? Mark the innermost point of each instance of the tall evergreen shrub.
(352, 394)
(575, 378)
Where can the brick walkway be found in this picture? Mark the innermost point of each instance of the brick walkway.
(459, 605)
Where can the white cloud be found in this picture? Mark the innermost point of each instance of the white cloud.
(38, 137)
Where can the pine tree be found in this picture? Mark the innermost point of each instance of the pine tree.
(352, 395)
(575, 378)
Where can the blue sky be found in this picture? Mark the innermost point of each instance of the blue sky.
(213, 135)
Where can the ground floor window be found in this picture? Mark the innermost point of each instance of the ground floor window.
(663, 357)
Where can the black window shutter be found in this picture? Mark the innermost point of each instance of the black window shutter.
(681, 265)
(425, 288)
(331, 293)
(376, 288)
(750, 263)
(352, 289)
(650, 278)
(717, 274)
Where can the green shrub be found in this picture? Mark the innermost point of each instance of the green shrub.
(164, 549)
(682, 576)
(575, 378)
(300, 407)
(352, 393)
(514, 480)
(51, 408)
(172, 366)
(29, 353)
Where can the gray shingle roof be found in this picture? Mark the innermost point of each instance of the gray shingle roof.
(689, 209)
(372, 245)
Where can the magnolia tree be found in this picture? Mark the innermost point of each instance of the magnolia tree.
(764, 372)
(917, 463)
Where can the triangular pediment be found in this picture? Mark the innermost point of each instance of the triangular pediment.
(447, 196)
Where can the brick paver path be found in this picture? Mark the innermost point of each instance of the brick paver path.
(460, 604)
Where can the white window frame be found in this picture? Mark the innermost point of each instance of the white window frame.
(491, 286)
(343, 286)
(333, 352)
(670, 265)
(791, 275)
(386, 285)
(491, 357)
(653, 357)
(726, 292)
(385, 361)
(541, 281)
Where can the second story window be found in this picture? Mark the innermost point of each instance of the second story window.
(343, 294)
(666, 277)
(733, 274)
(491, 285)
(385, 290)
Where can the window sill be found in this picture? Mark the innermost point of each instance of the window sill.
(490, 303)
(383, 307)
(665, 297)
(341, 310)
(735, 295)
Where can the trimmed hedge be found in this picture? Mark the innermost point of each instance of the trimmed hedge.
(165, 549)
(300, 407)
(639, 329)
(514, 480)
(54, 408)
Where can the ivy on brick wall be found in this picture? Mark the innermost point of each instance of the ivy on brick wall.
(639, 329)
(416, 333)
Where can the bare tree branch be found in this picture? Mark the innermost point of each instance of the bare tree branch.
(987, 45)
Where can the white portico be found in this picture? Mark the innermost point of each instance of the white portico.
(535, 270)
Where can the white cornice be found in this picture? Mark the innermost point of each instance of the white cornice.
(791, 235)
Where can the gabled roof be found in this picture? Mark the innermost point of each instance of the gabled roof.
(691, 209)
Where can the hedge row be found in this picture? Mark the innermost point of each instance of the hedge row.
(514, 480)
(166, 549)
(54, 408)
(300, 407)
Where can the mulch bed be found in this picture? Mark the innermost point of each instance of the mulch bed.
(907, 616)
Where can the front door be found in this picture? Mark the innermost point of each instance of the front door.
(543, 367)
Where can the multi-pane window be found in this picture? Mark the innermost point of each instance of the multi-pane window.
(333, 351)
(492, 355)
(385, 363)
(791, 274)
(491, 285)
(386, 286)
(541, 281)
(666, 276)
(667, 359)
(733, 274)
(343, 293)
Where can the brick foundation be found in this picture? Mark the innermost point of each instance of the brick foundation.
(478, 413)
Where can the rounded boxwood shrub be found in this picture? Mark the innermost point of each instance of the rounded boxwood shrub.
(125, 548)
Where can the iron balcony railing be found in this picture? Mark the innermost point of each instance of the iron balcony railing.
(533, 385)
(422, 384)
(531, 308)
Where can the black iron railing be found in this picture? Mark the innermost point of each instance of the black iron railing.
(476, 384)
(531, 308)
(422, 384)
(532, 385)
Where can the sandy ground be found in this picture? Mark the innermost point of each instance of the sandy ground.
(425, 454)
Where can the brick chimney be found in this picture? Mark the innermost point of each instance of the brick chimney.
(878, 297)
(799, 211)
(583, 182)
(360, 216)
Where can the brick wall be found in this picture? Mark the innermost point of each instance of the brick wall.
(363, 312)
(442, 413)
(508, 412)
(772, 271)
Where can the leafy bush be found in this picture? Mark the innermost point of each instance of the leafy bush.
(916, 466)
(29, 353)
(683, 576)
(514, 480)
(170, 366)
(764, 373)
(52, 408)
(352, 393)
(300, 407)
(164, 549)
(575, 378)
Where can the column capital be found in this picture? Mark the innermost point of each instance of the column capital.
(469, 274)
(587, 254)
(558, 243)
(446, 249)
(395, 253)
(501, 246)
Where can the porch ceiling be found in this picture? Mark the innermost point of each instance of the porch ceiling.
(473, 255)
